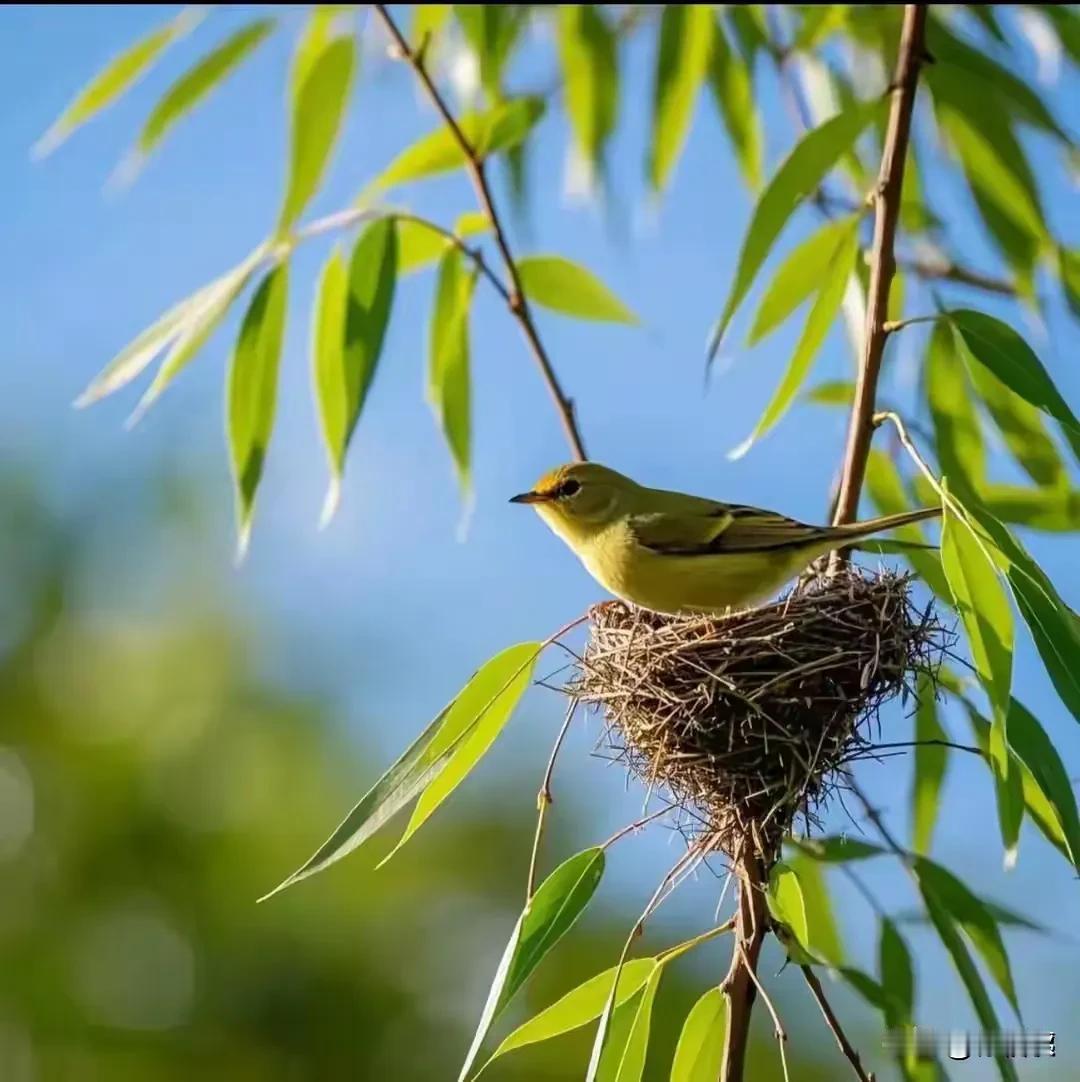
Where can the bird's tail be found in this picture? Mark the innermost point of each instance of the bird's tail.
(853, 531)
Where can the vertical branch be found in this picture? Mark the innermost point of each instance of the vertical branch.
(882, 260)
(476, 169)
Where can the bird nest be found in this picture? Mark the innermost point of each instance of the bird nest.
(747, 720)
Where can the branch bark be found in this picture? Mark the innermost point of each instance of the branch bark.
(883, 262)
(517, 303)
(834, 1025)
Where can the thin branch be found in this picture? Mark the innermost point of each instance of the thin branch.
(778, 1026)
(475, 167)
(887, 198)
(834, 1024)
(948, 271)
(544, 799)
(930, 743)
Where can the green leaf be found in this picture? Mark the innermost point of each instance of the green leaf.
(419, 245)
(476, 745)
(589, 60)
(886, 491)
(818, 324)
(957, 433)
(931, 762)
(788, 906)
(422, 761)
(492, 31)
(897, 975)
(252, 391)
(824, 936)
(1005, 353)
(943, 888)
(983, 606)
(623, 1058)
(700, 1050)
(1041, 761)
(1068, 268)
(428, 22)
(547, 917)
(969, 975)
(448, 388)
(800, 275)
(733, 89)
(799, 175)
(579, 1006)
(684, 45)
(867, 987)
(837, 849)
(504, 126)
(196, 83)
(117, 77)
(567, 287)
(1008, 790)
(831, 392)
(352, 314)
(1022, 427)
(318, 105)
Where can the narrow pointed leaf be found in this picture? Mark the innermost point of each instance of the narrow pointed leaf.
(421, 762)
(832, 392)
(310, 46)
(798, 176)
(492, 31)
(897, 975)
(837, 849)
(788, 906)
(957, 432)
(419, 246)
(547, 917)
(504, 126)
(328, 365)
(1008, 790)
(624, 1054)
(448, 388)
(823, 935)
(318, 108)
(197, 83)
(252, 391)
(684, 46)
(567, 287)
(476, 745)
(733, 89)
(114, 79)
(800, 276)
(819, 322)
(579, 1006)
(1052, 509)
(700, 1050)
(983, 606)
(1005, 353)
(589, 61)
(931, 762)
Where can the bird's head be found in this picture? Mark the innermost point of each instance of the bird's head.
(581, 499)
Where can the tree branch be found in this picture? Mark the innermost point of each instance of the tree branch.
(544, 798)
(834, 1024)
(475, 167)
(887, 197)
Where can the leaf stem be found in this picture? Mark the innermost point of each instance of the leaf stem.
(544, 799)
(475, 166)
(887, 196)
(834, 1024)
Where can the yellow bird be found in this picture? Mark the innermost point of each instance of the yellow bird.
(674, 553)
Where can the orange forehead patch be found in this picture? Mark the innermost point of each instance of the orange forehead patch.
(550, 481)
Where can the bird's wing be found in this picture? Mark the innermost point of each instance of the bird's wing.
(719, 528)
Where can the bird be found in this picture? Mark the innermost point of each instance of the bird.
(677, 554)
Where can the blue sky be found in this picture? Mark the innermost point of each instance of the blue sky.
(387, 610)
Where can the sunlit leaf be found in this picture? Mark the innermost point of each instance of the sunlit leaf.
(196, 83)
(491, 31)
(983, 606)
(419, 245)
(547, 917)
(886, 491)
(824, 935)
(799, 175)
(567, 287)
(589, 59)
(580, 1006)
(684, 45)
(499, 128)
(749, 30)
(931, 762)
(1068, 268)
(252, 392)
(831, 392)
(1008, 790)
(733, 89)
(788, 906)
(800, 276)
(958, 437)
(819, 322)
(897, 975)
(118, 76)
(476, 745)
(836, 849)
(421, 762)
(449, 381)
(969, 913)
(700, 1049)
(317, 111)
(1005, 354)
(627, 1045)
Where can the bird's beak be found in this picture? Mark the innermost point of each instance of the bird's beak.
(530, 497)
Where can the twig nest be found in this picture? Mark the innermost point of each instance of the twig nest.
(746, 719)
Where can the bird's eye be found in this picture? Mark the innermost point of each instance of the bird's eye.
(569, 488)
